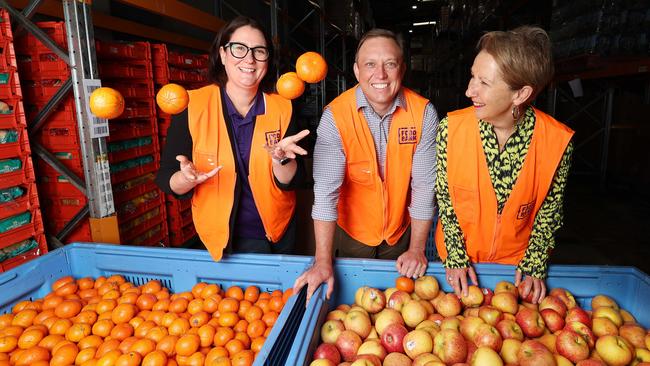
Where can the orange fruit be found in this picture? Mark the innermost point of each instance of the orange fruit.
(257, 344)
(85, 283)
(263, 304)
(241, 326)
(67, 289)
(244, 305)
(24, 318)
(109, 358)
(252, 293)
(32, 355)
(51, 340)
(196, 289)
(243, 358)
(156, 316)
(128, 298)
(311, 67)
(211, 303)
(270, 318)
(106, 103)
(256, 328)
(146, 301)
(214, 354)
(223, 335)
(123, 313)
(162, 305)
(405, 284)
(60, 326)
(200, 318)
(290, 86)
(51, 302)
(129, 359)
(276, 304)
(122, 331)
(105, 305)
(195, 359)
(187, 345)
(85, 355)
(195, 306)
(90, 341)
(244, 338)
(155, 358)
(228, 304)
(179, 326)
(107, 346)
(65, 355)
(287, 294)
(228, 319)
(77, 332)
(167, 344)
(85, 316)
(178, 305)
(61, 281)
(103, 327)
(117, 279)
(209, 290)
(235, 292)
(253, 313)
(8, 343)
(30, 338)
(68, 309)
(172, 98)
(6, 319)
(234, 346)
(143, 346)
(220, 361)
(151, 287)
(206, 335)
(157, 333)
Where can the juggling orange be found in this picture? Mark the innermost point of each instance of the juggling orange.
(172, 98)
(290, 86)
(106, 103)
(311, 67)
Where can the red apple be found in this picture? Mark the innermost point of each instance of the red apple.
(348, 344)
(398, 299)
(591, 362)
(487, 336)
(366, 360)
(505, 286)
(552, 319)
(485, 356)
(577, 314)
(470, 312)
(427, 287)
(633, 334)
(373, 300)
(548, 340)
(343, 307)
(565, 296)
(359, 323)
(572, 346)
(509, 350)
(387, 317)
(583, 331)
(474, 297)
(426, 359)
(603, 300)
(359, 294)
(509, 329)
(531, 322)
(397, 359)
(490, 315)
(533, 353)
(450, 346)
(330, 331)
(448, 305)
(552, 302)
(529, 296)
(413, 313)
(471, 348)
(430, 326)
(417, 342)
(451, 322)
(505, 301)
(487, 296)
(603, 326)
(469, 325)
(392, 337)
(328, 351)
(614, 350)
(428, 306)
(336, 315)
(372, 347)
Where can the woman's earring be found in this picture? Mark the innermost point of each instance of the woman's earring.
(515, 113)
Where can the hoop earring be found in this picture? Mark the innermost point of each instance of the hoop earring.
(515, 113)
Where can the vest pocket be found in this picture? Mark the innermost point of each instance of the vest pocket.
(204, 162)
(359, 172)
(465, 202)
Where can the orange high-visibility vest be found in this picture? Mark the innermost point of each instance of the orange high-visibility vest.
(213, 200)
(371, 210)
(489, 236)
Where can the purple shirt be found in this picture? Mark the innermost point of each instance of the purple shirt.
(248, 223)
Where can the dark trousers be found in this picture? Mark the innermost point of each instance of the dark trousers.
(348, 247)
(263, 246)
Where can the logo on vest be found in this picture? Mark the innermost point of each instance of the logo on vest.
(272, 137)
(407, 135)
(525, 210)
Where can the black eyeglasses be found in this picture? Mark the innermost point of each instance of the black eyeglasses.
(240, 50)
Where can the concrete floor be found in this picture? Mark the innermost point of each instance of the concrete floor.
(603, 228)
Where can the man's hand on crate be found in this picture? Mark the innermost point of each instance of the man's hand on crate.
(412, 263)
(320, 272)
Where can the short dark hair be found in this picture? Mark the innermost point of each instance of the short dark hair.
(524, 57)
(380, 33)
(217, 72)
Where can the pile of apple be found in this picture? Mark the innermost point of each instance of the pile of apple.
(420, 325)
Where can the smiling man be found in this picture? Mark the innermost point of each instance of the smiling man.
(374, 168)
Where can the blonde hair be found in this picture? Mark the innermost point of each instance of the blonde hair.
(523, 55)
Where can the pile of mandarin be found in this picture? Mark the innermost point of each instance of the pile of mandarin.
(112, 322)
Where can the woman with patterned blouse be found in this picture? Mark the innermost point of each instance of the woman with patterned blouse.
(502, 165)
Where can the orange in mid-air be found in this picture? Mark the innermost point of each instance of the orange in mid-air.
(311, 67)
(106, 103)
(172, 98)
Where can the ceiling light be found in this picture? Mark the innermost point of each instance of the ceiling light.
(433, 22)
(410, 30)
(414, 7)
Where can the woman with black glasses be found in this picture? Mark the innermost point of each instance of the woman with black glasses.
(233, 150)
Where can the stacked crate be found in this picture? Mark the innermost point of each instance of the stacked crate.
(189, 71)
(132, 145)
(134, 153)
(21, 227)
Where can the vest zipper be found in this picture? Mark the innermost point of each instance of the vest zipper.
(497, 230)
(384, 209)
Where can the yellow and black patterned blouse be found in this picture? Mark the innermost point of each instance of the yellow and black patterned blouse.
(504, 167)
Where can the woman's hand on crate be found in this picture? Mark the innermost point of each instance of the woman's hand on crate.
(531, 289)
(457, 278)
(320, 272)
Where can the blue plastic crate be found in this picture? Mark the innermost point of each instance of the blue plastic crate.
(627, 285)
(177, 269)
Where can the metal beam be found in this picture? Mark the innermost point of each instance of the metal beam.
(180, 11)
(101, 20)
